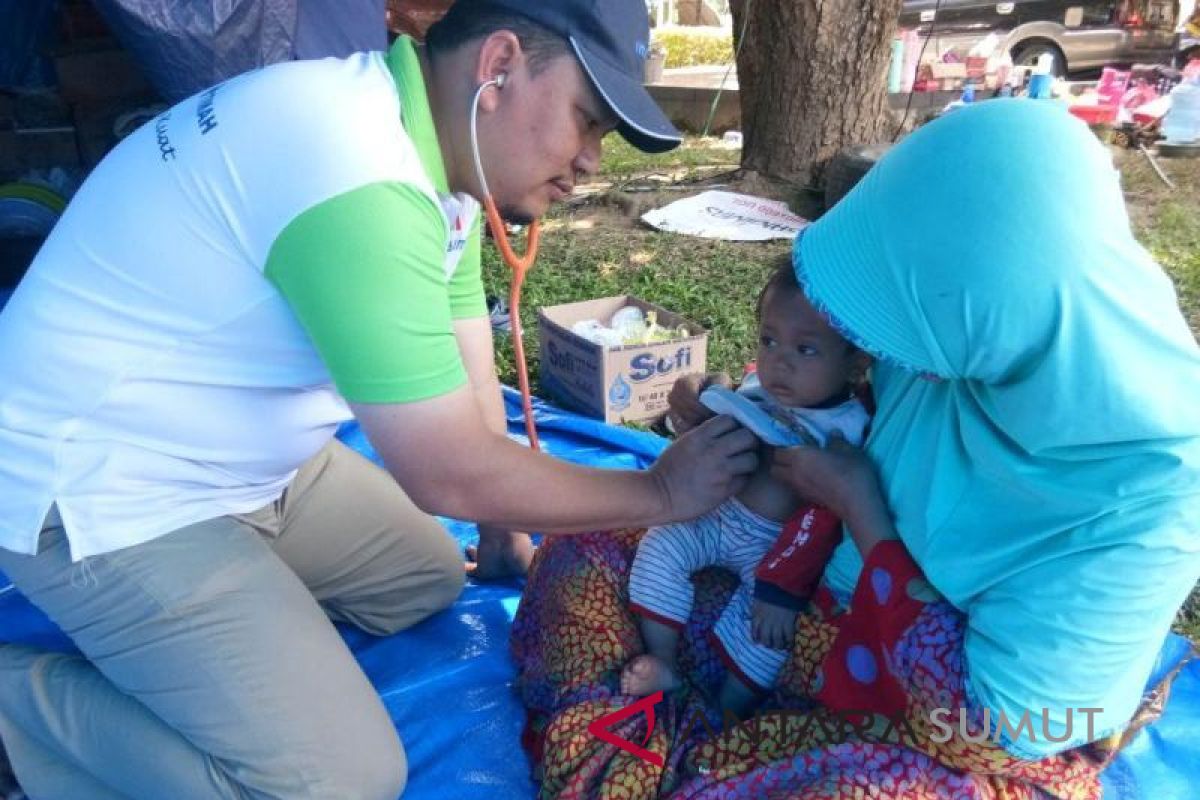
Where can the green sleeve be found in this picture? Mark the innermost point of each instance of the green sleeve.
(466, 285)
(365, 274)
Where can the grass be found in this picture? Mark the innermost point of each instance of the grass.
(621, 161)
(601, 249)
(1168, 222)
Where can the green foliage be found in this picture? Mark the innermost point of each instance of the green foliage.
(690, 47)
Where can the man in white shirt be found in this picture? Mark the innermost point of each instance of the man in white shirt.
(268, 258)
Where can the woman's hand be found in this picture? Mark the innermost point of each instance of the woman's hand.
(841, 478)
(838, 476)
(685, 409)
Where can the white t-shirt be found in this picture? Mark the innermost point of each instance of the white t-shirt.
(151, 375)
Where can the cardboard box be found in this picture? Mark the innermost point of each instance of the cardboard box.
(942, 72)
(617, 384)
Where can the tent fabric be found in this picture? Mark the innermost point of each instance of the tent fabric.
(23, 31)
(186, 47)
(338, 28)
(448, 682)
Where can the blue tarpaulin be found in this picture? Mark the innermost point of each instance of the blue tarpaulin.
(448, 681)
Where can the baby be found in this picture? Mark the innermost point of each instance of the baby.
(806, 374)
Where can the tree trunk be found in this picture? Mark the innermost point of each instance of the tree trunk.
(413, 17)
(811, 77)
(696, 12)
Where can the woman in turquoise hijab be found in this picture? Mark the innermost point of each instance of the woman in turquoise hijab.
(1022, 525)
(1037, 436)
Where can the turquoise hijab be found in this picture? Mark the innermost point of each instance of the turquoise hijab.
(1048, 481)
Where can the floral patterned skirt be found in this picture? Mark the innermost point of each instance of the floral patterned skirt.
(850, 716)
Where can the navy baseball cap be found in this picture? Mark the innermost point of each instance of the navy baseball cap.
(611, 39)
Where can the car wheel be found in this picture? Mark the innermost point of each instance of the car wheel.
(847, 168)
(1026, 54)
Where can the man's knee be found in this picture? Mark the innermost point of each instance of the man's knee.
(449, 578)
(378, 771)
(428, 589)
(445, 576)
(384, 776)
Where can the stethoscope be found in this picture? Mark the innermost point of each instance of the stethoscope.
(518, 264)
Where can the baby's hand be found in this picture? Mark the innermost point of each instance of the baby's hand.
(773, 626)
(685, 409)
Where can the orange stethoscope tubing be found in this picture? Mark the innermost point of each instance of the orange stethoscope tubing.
(519, 265)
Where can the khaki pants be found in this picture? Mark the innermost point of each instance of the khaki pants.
(210, 668)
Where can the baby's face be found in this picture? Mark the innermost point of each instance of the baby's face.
(802, 361)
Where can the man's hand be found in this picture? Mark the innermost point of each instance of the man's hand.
(450, 464)
(686, 410)
(773, 626)
(500, 554)
(705, 466)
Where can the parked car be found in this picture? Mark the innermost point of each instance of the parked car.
(1082, 36)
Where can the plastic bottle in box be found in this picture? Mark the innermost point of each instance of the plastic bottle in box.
(1042, 80)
